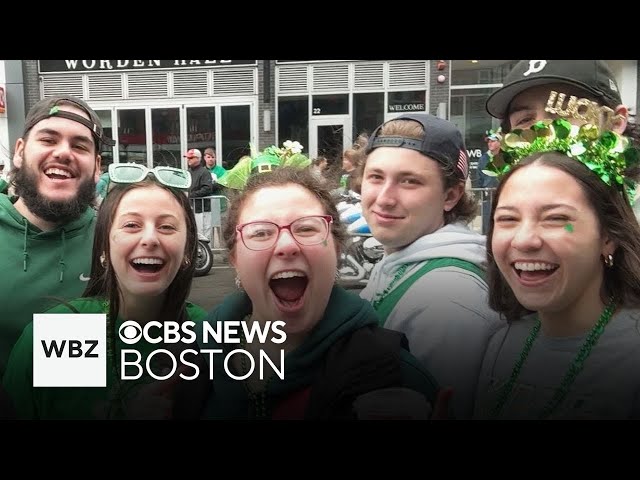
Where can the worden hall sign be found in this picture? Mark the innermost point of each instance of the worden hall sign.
(57, 66)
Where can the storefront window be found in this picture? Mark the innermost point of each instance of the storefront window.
(470, 116)
(293, 120)
(404, 102)
(236, 133)
(132, 136)
(165, 125)
(201, 127)
(107, 152)
(368, 112)
(472, 81)
(330, 104)
(477, 72)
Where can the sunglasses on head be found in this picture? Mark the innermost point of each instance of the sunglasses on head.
(134, 173)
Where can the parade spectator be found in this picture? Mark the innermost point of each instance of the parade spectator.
(46, 229)
(430, 282)
(141, 269)
(284, 237)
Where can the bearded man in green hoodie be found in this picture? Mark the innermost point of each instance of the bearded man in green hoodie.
(46, 229)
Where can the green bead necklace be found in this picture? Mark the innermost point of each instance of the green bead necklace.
(377, 300)
(259, 398)
(574, 369)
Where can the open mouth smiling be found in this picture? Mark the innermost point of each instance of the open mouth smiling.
(534, 270)
(289, 287)
(56, 173)
(147, 264)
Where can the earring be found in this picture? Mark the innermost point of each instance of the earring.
(238, 283)
(185, 263)
(608, 260)
(103, 260)
(337, 276)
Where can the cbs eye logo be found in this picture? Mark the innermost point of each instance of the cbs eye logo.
(130, 332)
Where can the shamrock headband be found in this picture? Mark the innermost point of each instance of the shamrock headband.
(607, 154)
(269, 159)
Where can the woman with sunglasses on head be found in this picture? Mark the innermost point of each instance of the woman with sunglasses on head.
(284, 236)
(141, 270)
(564, 269)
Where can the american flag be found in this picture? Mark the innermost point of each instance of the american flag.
(463, 164)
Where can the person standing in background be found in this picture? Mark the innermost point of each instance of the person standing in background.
(485, 181)
(201, 186)
(216, 170)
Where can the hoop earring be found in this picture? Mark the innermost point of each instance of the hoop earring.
(103, 260)
(608, 260)
(238, 283)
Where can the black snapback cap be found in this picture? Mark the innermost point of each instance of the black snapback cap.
(593, 76)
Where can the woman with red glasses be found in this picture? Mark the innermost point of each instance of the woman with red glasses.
(284, 237)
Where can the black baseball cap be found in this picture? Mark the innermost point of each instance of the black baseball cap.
(48, 107)
(442, 142)
(593, 76)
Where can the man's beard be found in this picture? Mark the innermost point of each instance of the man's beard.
(60, 212)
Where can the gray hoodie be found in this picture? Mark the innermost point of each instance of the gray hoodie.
(445, 313)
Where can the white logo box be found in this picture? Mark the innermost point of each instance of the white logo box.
(76, 344)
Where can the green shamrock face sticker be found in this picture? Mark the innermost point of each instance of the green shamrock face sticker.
(569, 228)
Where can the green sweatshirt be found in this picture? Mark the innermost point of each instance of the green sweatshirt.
(39, 269)
(218, 171)
(345, 314)
(78, 403)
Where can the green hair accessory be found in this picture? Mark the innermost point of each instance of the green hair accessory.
(607, 154)
(272, 157)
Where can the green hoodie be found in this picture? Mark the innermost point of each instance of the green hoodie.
(73, 403)
(345, 314)
(39, 269)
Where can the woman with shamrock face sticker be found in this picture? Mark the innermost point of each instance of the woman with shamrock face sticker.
(564, 269)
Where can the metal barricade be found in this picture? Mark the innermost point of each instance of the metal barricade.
(210, 213)
(485, 198)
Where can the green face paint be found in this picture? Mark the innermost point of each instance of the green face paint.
(569, 228)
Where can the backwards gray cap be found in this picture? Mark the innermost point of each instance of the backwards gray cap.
(442, 142)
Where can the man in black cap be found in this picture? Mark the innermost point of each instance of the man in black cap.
(580, 91)
(46, 229)
(430, 282)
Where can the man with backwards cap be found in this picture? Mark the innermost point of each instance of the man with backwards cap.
(46, 229)
(430, 283)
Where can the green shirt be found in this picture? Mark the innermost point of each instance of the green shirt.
(217, 170)
(39, 269)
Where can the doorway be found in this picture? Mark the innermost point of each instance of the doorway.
(329, 137)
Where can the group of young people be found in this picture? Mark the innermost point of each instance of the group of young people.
(539, 319)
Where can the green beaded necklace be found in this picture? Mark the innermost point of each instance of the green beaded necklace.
(379, 297)
(258, 398)
(574, 369)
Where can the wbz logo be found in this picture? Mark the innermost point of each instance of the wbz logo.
(69, 350)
